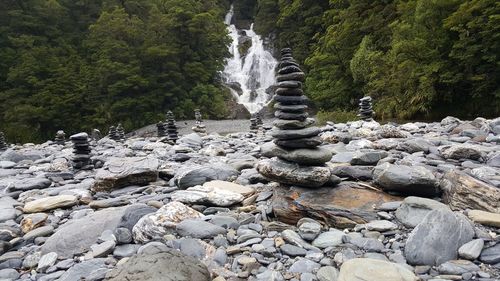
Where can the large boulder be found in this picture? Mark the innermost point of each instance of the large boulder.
(461, 191)
(170, 265)
(415, 180)
(121, 172)
(437, 238)
(163, 221)
(362, 269)
(290, 173)
(76, 236)
(21, 155)
(461, 151)
(198, 175)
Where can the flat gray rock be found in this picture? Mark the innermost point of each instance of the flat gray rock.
(198, 175)
(80, 270)
(414, 180)
(290, 173)
(70, 240)
(198, 229)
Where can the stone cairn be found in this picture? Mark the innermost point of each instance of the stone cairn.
(60, 137)
(259, 120)
(3, 142)
(365, 109)
(297, 159)
(161, 130)
(81, 151)
(199, 127)
(172, 127)
(112, 133)
(254, 124)
(120, 132)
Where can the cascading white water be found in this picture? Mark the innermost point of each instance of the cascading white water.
(254, 73)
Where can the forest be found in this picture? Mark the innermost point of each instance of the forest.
(82, 64)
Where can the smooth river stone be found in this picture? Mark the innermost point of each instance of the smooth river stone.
(289, 92)
(290, 173)
(299, 143)
(290, 99)
(289, 69)
(303, 156)
(295, 134)
(289, 84)
(288, 62)
(291, 116)
(297, 76)
(49, 203)
(299, 108)
(293, 124)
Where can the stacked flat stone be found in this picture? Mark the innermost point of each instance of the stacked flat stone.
(171, 128)
(365, 109)
(112, 134)
(254, 125)
(199, 127)
(259, 120)
(60, 137)
(298, 159)
(81, 151)
(161, 130)
(3, 142)
(120, 132)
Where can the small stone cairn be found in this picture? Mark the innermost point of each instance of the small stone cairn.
(258, 117)
(172, 127)
(254, 125)
(365, 109)
(161, 130)
(60, 137)
(120, 132)
(81, 151)
(199, 127)
(297, 158)
(112, 133)
(3, 142)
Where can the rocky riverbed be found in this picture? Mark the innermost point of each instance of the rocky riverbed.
(418, 201)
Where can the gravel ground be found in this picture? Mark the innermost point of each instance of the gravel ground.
(220, 126)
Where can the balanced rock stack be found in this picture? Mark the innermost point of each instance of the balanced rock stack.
(297, 159)
(3, 143)
(161, 130)
(60, 137)
(171, 127)
(81, 151)
(120, 132)
(199, 127)
(365, 109)
(259, 120)
(254, 125)
(112, 133)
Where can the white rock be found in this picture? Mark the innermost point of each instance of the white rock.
(49, 203)
(207, 195)
(163, 221)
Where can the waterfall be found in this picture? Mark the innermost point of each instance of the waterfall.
(250, 75)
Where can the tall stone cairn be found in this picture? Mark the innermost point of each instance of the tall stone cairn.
(161, 130)
(120, 132)
(297, 159)
(112, 133)
(258, 117)
(199, 127)
(365, 109)
(60, 137)
(81, 151)
(3, 142)
(171, 128)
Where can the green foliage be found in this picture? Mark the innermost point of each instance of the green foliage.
(75, 65)
(417, 58)
(337, 116)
